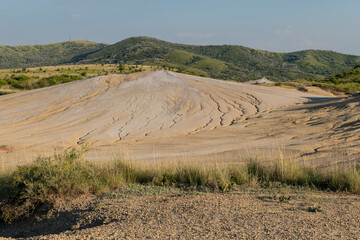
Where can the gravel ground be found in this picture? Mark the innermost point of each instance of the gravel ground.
(266, 215)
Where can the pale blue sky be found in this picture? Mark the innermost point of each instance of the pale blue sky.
(274, 25)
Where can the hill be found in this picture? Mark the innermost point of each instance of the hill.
(222, 62)
(345, 81)
(45, 55)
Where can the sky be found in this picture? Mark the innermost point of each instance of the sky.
(273, 25)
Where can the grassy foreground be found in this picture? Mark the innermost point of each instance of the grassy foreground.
(68, 175)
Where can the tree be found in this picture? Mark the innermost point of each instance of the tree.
(121, 67)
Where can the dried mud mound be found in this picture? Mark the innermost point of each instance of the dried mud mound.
(155, 113)
(111, 109)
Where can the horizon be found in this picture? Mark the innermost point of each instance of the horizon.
(275, 26)
(75, 40)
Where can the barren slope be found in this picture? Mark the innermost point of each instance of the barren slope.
(160, 114)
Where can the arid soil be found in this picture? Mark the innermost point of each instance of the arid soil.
(256, 215)
(161, 115)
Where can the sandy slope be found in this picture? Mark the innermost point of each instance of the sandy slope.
(164, 114)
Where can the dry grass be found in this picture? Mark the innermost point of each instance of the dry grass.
(68, 175)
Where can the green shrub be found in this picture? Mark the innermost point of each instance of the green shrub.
(27, 82)
(30, 186)
(54, 80)
(2, 82)
(121, 67)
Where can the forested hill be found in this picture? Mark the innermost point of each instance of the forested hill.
(45, 55)
(223, 62)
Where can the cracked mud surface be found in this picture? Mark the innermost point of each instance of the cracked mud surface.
(164, 115)
(306, 215)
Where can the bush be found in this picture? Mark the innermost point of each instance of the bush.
(20, 82)
(121, 67)
(2, 82)
(30, 186)
(26, 82)
(54, 80)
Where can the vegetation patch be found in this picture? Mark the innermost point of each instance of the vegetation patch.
(68, 175)
(12, 80)
(6, 148)
(345, 81)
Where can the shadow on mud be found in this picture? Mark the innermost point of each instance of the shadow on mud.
(323, 102)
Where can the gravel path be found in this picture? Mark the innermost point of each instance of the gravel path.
(203, 216)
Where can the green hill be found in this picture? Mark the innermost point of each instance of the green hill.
(223, 62)
(345, 81)
(45, 55)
